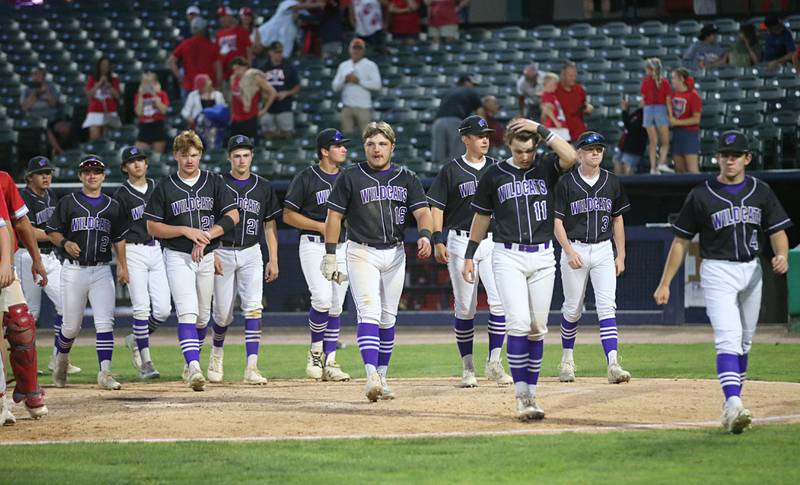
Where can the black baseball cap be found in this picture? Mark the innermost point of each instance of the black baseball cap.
(733, 141)
(38, 164)
(590, 138)
(330, 136)
(707, 30)
(239, 141)
(474, 125)
(467, 78)
(131, 153)
(91, 162)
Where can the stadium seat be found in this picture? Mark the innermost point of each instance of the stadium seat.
(745, 83)
(545, 32)
(769, 94)
(580, 30)
(596, 41)
(727, 26)
(744, 120)
(616, 29)
(634, 41)
(614, 52)
(687, 27)
(651, 28)
(710, 84)
(612, 76)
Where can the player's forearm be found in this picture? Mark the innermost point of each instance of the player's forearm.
(479, 227)
(561, 235)
(299, 221)
(333, 227)
(779, 243)
(437, 216)
(619, 236)
(56, 238)
(674, 259)
(6, 256)
(424, 219)
(217, 230)
(122, 258)
(40, 235)
(24, 229)
(271, 236)
(165, 231)
(566, 153)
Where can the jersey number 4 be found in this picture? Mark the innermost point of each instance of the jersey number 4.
(754, 241)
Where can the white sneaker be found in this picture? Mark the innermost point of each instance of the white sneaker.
(6, 417)
(185, 374)
(136, 357)
(195, 379)
(387, 394)
(664, 168)
(736, 418)
(215, 371)
(468, 378)
(566, 371)
(106, 381)
(71, 369)
(148, 371)
(617, 375)
(253, 376)
(374, 388)
(60, 369)
(314, 367)
(333, 373)
(494, 371)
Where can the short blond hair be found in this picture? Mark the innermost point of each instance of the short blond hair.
(378, 128)
(185, 140)
(549, 76)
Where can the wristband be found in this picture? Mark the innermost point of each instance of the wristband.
(330, 248)
(425, 233)
(546, 134)
(472, 246)
(226, 223)
(437, 237)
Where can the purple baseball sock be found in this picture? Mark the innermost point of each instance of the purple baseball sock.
(535, 353)
(608, 335)
(317, 322)
(57, 321)
(742, 370)
(153, 324)
(218, 335)
(63, 344)
(104, 344)
(465, 333)
(201, 337)
(190, 345)
(517, 354)
(497, 331)
(728, 374)
(569, 331)
(252, 335)
(386, 336)
(332, 334)
(141, 334)
(367, 335)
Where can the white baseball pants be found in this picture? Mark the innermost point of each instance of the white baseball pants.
(376, 282)
(598, 264)
(466, 294)
(326, 296)
(32, 291)
(191, 285)
(80, 284)
(148, 286)
(243, 275)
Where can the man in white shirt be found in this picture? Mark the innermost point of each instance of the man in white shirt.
(356, 78)
(529, 88)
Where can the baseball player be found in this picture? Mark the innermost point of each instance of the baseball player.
(20, 326)
(450, 196)
(243, 270)
(731, 212)
(518, 193)
(374, 197)
(189, 211)
(588, 207)
(147, 285)
(6, 277)
(85, 225)
(305, 209)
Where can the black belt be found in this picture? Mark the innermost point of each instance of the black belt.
(85, 264)
(381, 245)
(46, 250)
(151, 242)
(235, 246)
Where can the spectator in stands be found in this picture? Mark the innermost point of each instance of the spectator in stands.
(443, 19)
(796, 61)
(684, 116)
(278, 121)
(367, 18)
(746, 51)
(552, 113)
(488, 111)
(282, 27)
(404, 21)
(356, 78)
(705, 53)
(529, 89)
(233, 40)
(192, 12)
(249, 87)
(102, 89)
(198, 55)
(40, 99)
(633, 141)
(779, 46)
(595, 8)
(655, 95)
(331, 27)
(151, 104)
(573, 99)
(203, 96)
(246, 20)
(456, 105)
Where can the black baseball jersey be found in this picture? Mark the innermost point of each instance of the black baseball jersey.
(94, 223)
(133, 203)
(257, 203)
(586, 210)
(308, 194)
(520, 200)
(730, 221)
(376, 203)
(453, 190)
(199, 206)
(40, 209)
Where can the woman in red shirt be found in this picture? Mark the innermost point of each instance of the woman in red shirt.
(685, 107)
(443, 19)
(552, 114)
(404, 21)
(655, 91)
(150, 105)
(102, 89)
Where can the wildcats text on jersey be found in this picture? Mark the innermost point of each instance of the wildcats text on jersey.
(383, 192)
(467, 189)
(322, 196)
(44, 215)
(590, 204)
(192, 204)
(521, 188)
(736, 215)
(137, 212)
(90, 224)
(249, 205)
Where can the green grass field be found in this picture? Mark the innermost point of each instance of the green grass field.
(766, 454)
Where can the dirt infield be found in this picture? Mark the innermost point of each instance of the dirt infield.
(302, 409)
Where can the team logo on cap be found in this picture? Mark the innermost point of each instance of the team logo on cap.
(241, 139)
(134, 151)
(482, 123)
(337, 136)
(42, 162)
(730, 138)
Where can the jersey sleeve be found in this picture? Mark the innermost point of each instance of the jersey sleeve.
(119, 228)
(273, 205)
(620, 204)
(482, 202)
(561, 199)
(58, 219)
(155, 209)
(416, 193)
(296, 192)
(774, 218)
(224, 196)
(689, 219)
(4, 209)
(339, 199)
(14, 201)
(437, 193)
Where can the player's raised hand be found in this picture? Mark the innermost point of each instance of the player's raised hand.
(661, 296)
(620, 264)
(6, 274)
(523, 124)
(574, 260)
(440, 253)
(72, 249)
(196, 236)
(779, 264)
(423, 248)
(39, 273)
(271, 272)
(469, 271)
(122, 276)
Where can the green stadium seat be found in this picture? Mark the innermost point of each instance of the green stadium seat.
(745, 83)
(744, 120)
(632, 64)
(687, 27)
(580, 30)
(596, 41)
(615, 29)
(612, 76)
(710, 84)
(594, 65)
(634, 41)
(614, 52)
(769, 94)
(508, 33)
(594, 88)
(524, 44)
(545, 32)
(727, 26)
(651, 28)
(651, 51)
(559, 43)
(576, 54)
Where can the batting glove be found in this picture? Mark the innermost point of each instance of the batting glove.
(328, 267)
